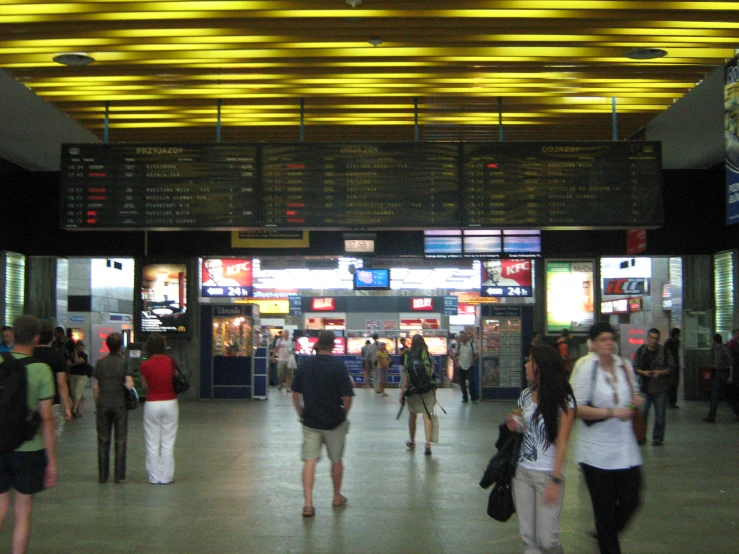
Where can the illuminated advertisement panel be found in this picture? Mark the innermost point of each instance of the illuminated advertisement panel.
(506, 278)
(225, 278)
(569, 296)
(304, 345)
(163, 299)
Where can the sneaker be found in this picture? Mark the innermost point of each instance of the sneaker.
(288, 390)
(709, 420)
(657, 443)
(384, 394)
(465, 401)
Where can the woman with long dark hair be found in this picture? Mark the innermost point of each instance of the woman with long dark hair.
(418, 389)
(545, 416)
(607, 395)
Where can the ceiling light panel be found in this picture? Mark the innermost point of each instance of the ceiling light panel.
(554, 64)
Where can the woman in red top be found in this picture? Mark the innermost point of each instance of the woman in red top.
(161, 413)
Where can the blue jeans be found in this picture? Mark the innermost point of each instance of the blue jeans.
(659, 400)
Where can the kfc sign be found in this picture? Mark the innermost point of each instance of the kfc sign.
(626, 285)
(323, 304)
(506, 278)
(422, 304)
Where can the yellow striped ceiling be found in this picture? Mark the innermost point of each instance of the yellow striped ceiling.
(552, 67)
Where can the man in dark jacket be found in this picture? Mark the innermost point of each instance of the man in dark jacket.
(654, 364)
(673, 347)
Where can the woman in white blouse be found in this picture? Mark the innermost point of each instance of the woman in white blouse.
(607, 394)
(547, 408)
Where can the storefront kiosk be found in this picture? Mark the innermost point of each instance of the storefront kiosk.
(230, 364)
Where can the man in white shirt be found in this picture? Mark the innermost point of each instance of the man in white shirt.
(466, 358)
(283, 351)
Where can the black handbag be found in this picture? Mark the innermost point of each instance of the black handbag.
(502, 466)
(132, 398)
(180, 383)
(500, 502)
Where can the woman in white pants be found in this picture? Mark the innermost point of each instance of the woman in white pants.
(547, 411)
(161, 413)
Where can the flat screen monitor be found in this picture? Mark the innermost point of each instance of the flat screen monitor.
(372, 279)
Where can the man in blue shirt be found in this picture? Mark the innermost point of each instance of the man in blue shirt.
(8, 338)
(326, 388)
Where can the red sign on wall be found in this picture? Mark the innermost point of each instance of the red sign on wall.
(636, 241)
(422, 304)
(323, 304)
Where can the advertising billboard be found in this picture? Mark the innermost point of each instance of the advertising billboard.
(506, 278)
(225, 278)
(569, 296)
(164, 299)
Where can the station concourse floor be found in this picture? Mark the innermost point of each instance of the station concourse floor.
(238, 487)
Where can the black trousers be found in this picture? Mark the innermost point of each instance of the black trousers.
(616, 495)
(674, 382)
(463, 376)
(108, 419)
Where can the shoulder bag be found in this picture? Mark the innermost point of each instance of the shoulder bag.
(637, 421)
(590, 422)
(180, 383)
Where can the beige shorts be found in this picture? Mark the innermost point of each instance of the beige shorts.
(415, 404)
(333, 439)
(283, 372)
(77, 384)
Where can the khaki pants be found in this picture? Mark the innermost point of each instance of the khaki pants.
(538, 522)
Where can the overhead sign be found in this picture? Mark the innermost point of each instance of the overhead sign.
(451, 305)
(422, 304)
(636, 241)
(226, 278)
(323, 304)
(626, 285)
(506, 278)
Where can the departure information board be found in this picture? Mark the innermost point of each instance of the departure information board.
(145, 186)
(563, 185)
(373, 185)
(362, 186)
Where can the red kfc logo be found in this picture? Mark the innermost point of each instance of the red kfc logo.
(626, 285)
(518, 271)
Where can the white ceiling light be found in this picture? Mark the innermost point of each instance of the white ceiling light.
(73, 59)
(354, 3)
(645, 53)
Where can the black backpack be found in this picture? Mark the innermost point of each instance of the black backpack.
(17, 423)
(420, 381)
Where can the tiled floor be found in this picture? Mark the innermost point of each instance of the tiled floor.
(238, 487)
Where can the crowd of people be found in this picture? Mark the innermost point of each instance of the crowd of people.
(603, 390)
(37, 402)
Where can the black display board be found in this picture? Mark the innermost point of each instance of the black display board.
(361, 186)
(145, 186)
(372, 185)
(563, 185)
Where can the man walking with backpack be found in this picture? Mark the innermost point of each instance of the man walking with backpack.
(466, 358)
(27, 449)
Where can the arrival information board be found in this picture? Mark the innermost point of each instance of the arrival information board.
(377, 185)
(144, 186)
(581, 184)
